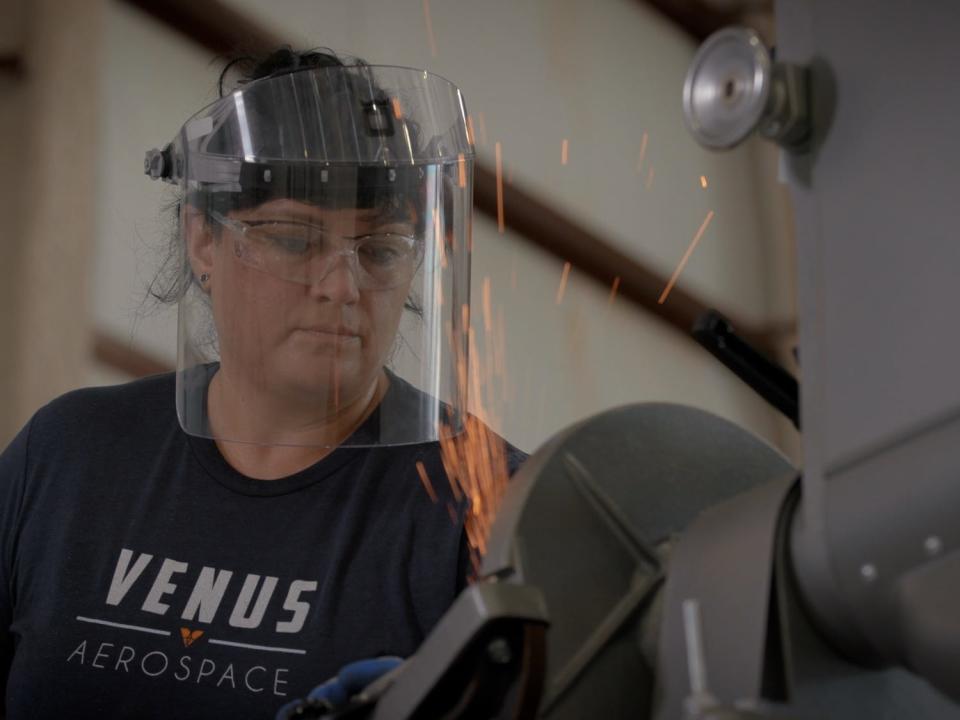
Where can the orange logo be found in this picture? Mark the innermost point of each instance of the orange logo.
(189, 637)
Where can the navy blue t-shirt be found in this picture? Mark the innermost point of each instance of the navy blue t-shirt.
(142, 576)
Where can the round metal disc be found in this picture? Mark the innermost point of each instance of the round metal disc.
(727, 87)
(582, 520)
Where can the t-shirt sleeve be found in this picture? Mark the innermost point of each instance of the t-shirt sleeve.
(515, 458)
(464, 564)
(13, 463)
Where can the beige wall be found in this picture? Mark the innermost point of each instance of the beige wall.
(52, 197)
(12, 127)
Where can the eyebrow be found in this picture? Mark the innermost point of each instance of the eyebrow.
(282, 214)
(306, 216)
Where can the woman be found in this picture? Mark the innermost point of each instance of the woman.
(222, 554)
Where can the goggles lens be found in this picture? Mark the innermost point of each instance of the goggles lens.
(305, 253)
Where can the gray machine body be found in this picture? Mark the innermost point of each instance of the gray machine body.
(876, 540)
(589, 520)
(401, 694)
(855, 574)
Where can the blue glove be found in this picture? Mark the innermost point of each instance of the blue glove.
(335, 693)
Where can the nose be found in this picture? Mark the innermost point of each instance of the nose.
(335, 279)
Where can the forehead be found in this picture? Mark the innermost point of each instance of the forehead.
(285, 208)
(298, 211)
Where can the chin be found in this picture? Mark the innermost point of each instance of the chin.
(330, 378)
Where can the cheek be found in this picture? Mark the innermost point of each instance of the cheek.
(385, 310)
(249, 306)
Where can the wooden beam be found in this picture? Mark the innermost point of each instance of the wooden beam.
(700, 19)
(211, 24)
(549, 229)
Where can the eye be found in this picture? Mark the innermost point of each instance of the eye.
(293, 244)
(288, 238)
(385, 248)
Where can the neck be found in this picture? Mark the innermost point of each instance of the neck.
(279, 437)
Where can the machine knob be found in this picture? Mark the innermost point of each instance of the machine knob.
(734, 87)
(158, 163)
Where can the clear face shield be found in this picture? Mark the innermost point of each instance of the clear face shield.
(325, 221)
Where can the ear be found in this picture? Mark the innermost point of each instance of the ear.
(200, 241)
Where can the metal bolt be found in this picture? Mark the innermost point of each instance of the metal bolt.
(868, 572)
(933, 545)
(154, 164)
(499, 651)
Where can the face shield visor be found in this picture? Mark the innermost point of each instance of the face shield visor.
(325, 227)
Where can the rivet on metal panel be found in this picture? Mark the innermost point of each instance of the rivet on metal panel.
(933, 545)
(499, 651)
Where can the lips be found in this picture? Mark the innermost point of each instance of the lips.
(337, 330)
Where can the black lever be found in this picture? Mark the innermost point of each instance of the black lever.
(765, 377)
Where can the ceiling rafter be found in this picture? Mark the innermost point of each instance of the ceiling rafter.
(701, 18)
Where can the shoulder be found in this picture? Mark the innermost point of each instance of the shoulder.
(474, 436)
(112, 408)
(480, 440)
(515, 458)
(77, 435)
(476, 458)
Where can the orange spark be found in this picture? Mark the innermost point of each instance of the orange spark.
(427, 485)
(438, 238)
(500, 224)
(487, 313)
(476, 462)
(471, 135)
(430, 39)
(397, 110)
(564, 151)
(563, 282)
(499, 357)
(461, 170)
(474, 371)
(686, 256)
(475, 458)
(483, 128)
(643, 152)
(703, 181)
(650, 178)
(613, 290)
(490, 363)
